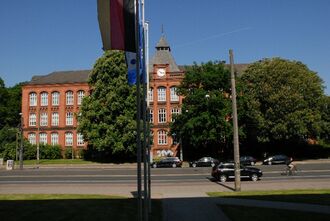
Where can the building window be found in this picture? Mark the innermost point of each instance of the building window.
(33, 119)
(80, 140)
(68, 139)
(55, 98)
(81, 95)
(151, 94)
(43, 119)
(173, 95)
(162, 115)
(43, 138)
(161, 94)
(55, 119)
(33, 99)
(174, 111)
(69, 118)
(32, 138)
(54, 138)
(69, 98)
(44, 99)
(151, 115)
(162, 137)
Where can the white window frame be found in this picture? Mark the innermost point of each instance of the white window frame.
(81, 95)
(54, 138)
(32, 138)
(69, 98)
(68, 139)
(175, 111)
(151, 115)
(162, 137)
(43, 119)
(43, 138)
(161, 93)
(151, 95)
(161, 115)
(55, 119)
(33, 99)
(69, 118)
(44, 99)
(80, 139)
(33, 119)
(173, 95)
(56, 98)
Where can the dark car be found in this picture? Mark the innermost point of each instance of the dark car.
(167, 162)
(225, 171)
(204, 162)
(276, 159)
(247, 160)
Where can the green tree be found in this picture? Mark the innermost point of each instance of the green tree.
(107, 116)
(203, 124)
(282, 101)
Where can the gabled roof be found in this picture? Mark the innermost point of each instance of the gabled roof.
(163, 56)
(62, 77)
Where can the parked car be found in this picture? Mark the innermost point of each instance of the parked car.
(204, 162)
(225, 171)
(276, 159)
(167, 162)
(247, 160)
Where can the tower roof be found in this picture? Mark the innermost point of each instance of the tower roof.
(163, 55)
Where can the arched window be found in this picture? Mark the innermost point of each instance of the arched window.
(161, 93)
(43, 138)
(68, 139)
(55, 98)
(162, 137)
(33, 99)
(174, 96)
(151, 95)
(44, 99)
(162, 115)
(81, 95)
(32, 119)
(32, 138)
(54, 138)
(69, 98)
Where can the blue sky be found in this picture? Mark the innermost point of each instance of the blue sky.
(39, 36)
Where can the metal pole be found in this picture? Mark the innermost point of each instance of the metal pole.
(235, 125)
(21, 147)
(138, 111)
(17, 131)
(38, 140)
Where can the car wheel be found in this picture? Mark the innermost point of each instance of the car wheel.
(223, 178)
(194, 165)
(212, 164)
(254, 177)
(269, 162)
(173, 165)
(154, 166)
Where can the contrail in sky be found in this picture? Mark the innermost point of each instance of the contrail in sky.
(214, 36)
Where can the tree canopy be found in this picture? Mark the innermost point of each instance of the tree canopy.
(282, 100)
(203, 124)
(107, 116)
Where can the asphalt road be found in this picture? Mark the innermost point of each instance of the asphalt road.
(166, 182)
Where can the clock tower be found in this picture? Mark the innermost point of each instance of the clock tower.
(165, 77)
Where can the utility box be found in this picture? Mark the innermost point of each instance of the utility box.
(10, 165)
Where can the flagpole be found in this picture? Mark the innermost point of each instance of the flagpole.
(138, 111)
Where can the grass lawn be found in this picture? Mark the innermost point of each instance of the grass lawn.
(56, 161)
(72, 207)
(321, 197)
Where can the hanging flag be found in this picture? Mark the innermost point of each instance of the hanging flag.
(131, 67)
(117, 24)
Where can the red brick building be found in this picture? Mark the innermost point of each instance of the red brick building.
(49, 107)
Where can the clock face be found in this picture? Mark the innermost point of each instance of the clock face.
(161, 72)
